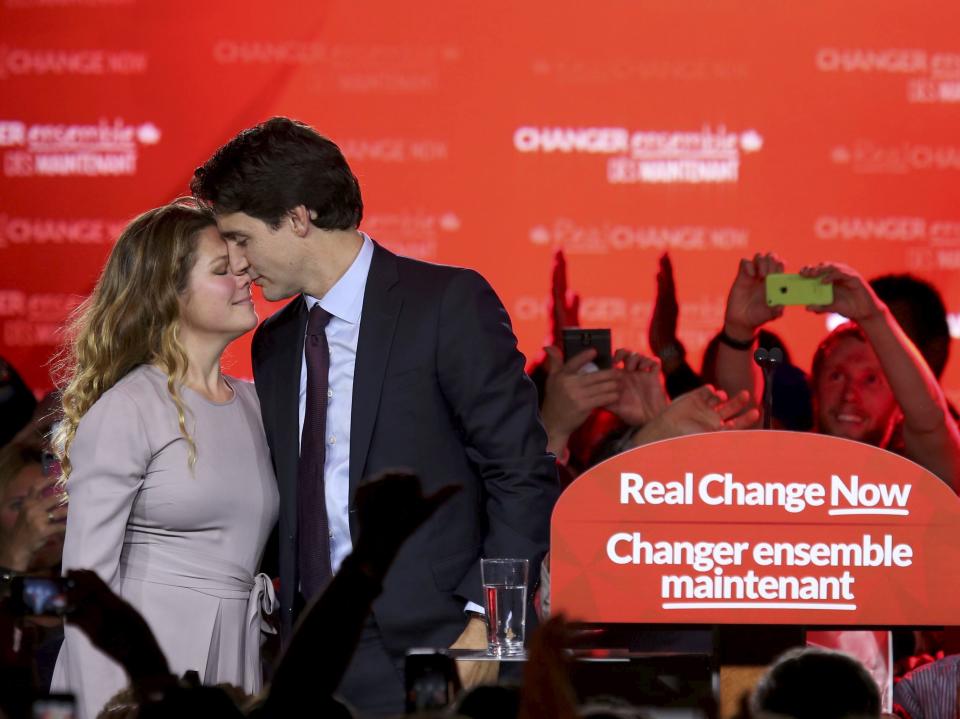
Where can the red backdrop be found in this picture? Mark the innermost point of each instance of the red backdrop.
(489, 134)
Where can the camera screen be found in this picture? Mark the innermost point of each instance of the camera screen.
(43, 595)
(55, 707)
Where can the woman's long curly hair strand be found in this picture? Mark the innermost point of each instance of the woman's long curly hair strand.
(132, 317)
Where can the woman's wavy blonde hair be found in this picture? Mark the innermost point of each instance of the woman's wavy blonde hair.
(132, 317)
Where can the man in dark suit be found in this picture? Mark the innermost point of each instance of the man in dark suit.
(379, 361)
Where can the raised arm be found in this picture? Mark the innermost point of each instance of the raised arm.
(929, 432)
(746, 312)
(390, 506)
(662, 334)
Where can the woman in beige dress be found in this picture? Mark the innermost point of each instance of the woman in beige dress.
(172, 495)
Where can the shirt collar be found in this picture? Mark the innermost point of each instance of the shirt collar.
(345, 299)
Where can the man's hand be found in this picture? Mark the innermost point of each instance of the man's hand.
(747, 308)
(475, 673)
(390, 508)
(701, 410)
(564, 305)
(852, 295)
(642, 392)
(41, 521)
(571, 396)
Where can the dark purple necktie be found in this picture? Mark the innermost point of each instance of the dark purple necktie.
(313, 526)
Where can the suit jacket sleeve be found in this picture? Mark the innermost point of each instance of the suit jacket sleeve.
(481, 376)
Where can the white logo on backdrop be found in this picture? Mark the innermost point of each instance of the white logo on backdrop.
(867, 157)
(932, 77)
(16, 231)
(586, 238)
(103, 149)
(709, 155)
(19, 61)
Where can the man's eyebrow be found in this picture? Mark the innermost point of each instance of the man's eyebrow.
(234, 235)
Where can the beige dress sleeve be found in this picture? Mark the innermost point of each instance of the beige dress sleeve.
(110, 453)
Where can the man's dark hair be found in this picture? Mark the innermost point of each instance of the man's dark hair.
(269, 169)
(925, 315)
(814, 683)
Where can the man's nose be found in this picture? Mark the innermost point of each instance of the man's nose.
(242, 280)
(849, 390)
(238, 259)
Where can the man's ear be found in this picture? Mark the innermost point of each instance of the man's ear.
(299, 219)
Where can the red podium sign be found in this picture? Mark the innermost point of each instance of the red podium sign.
(757, 528)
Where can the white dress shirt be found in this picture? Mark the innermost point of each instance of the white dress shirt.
(344, 302)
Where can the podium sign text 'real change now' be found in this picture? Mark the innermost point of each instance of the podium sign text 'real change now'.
(757, 528)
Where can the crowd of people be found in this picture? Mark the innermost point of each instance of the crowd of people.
(224, 549)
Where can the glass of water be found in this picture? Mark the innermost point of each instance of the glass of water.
(505, 597)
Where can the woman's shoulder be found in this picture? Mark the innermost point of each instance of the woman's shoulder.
(141, 389)
(143, 384)
(119, 411)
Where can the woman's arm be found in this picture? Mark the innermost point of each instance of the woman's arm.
(109, 456)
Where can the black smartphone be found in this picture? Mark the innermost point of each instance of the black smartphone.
(40, 596)
(432, 681)
(55, 706)
(576, 340)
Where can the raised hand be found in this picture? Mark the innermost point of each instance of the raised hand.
(852, 295)
(643, 395)
(564, 305)
(704, 409)
(662, 332)
(570, 395)
(41, 521)
(390, 508)
(747, 308)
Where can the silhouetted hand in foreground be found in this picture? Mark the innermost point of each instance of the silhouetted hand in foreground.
(115, 627)
(547, 690)
(390, 508)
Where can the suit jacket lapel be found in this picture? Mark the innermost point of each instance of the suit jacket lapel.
(381, 307)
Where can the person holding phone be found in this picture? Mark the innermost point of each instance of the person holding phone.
(172, 496)
(868, 379)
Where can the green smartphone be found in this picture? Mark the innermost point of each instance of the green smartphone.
(785, 289)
